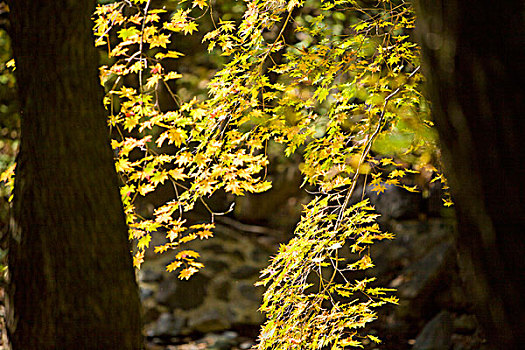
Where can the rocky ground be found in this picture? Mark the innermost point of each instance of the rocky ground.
(218, 308)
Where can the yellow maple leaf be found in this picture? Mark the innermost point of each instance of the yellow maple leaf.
(206, 187)
(189, 27)
(365, 262)
(205, 234)
(187, 273)
(292, 4)
(163, 214)
(144, 242)
(118, 51)
(234, 188)
(184, 158)
(162, 248)
(197, 265)
(173, 266)
(123, 165)
(146, 188)
(172, 75)
(211, 35)
(184, 254)
(392, 182)
(138, 259)
(152, 81)
(152, 18)
(391, 299)
(201, 3)
(177, 174)
(227, 26)
(396, 173)
(447, 202)
(162, 137)
(379, 188)
(208, 226)
(159, 41)
(197, 226)
(188, 238)
(159, 177)
(169, 54)
(136, 233)
(411, 188)
(177, 136)
(174, 232)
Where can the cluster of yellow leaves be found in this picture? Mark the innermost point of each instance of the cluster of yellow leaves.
(185, 258)
(337, 92)
(336, 82)
(224, 158)
(144, 41)
(321, 314)
(332, 82)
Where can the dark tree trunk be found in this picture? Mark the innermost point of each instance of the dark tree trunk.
(72, 284)
(473, 54)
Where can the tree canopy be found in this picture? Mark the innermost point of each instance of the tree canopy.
(336, 82)
(200, 95)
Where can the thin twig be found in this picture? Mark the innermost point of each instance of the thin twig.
(366, 151)
(141, 45)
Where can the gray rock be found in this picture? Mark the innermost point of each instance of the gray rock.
(465, 324)
(249, 292)
(145, 292)
(185, 295)
(221, 289)
(230, 335)
(223, 341)
(246, 345)
(157, 238)
(149, 275)
(216, 265)
(437, 334)
(238, 254)
(396, 203)
(261, 254)
(215, 248)
(167, 325)
(245, 271)
(225, 283)
(151, 313)
(424, 275)
(209, 320)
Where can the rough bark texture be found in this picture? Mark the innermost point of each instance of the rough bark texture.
(72, 284)
(473, 55)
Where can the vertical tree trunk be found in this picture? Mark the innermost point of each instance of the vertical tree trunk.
(473, 54)
(72, 284)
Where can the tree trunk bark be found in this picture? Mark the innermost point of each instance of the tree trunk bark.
(473, 59)
(72, 284)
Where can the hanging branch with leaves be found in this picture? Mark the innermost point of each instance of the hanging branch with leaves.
(337, 82)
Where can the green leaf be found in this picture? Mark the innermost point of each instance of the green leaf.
(126, 33)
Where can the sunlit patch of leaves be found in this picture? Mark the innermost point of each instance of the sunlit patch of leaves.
(333, 81)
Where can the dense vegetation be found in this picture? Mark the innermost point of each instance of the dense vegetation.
(336, 84)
